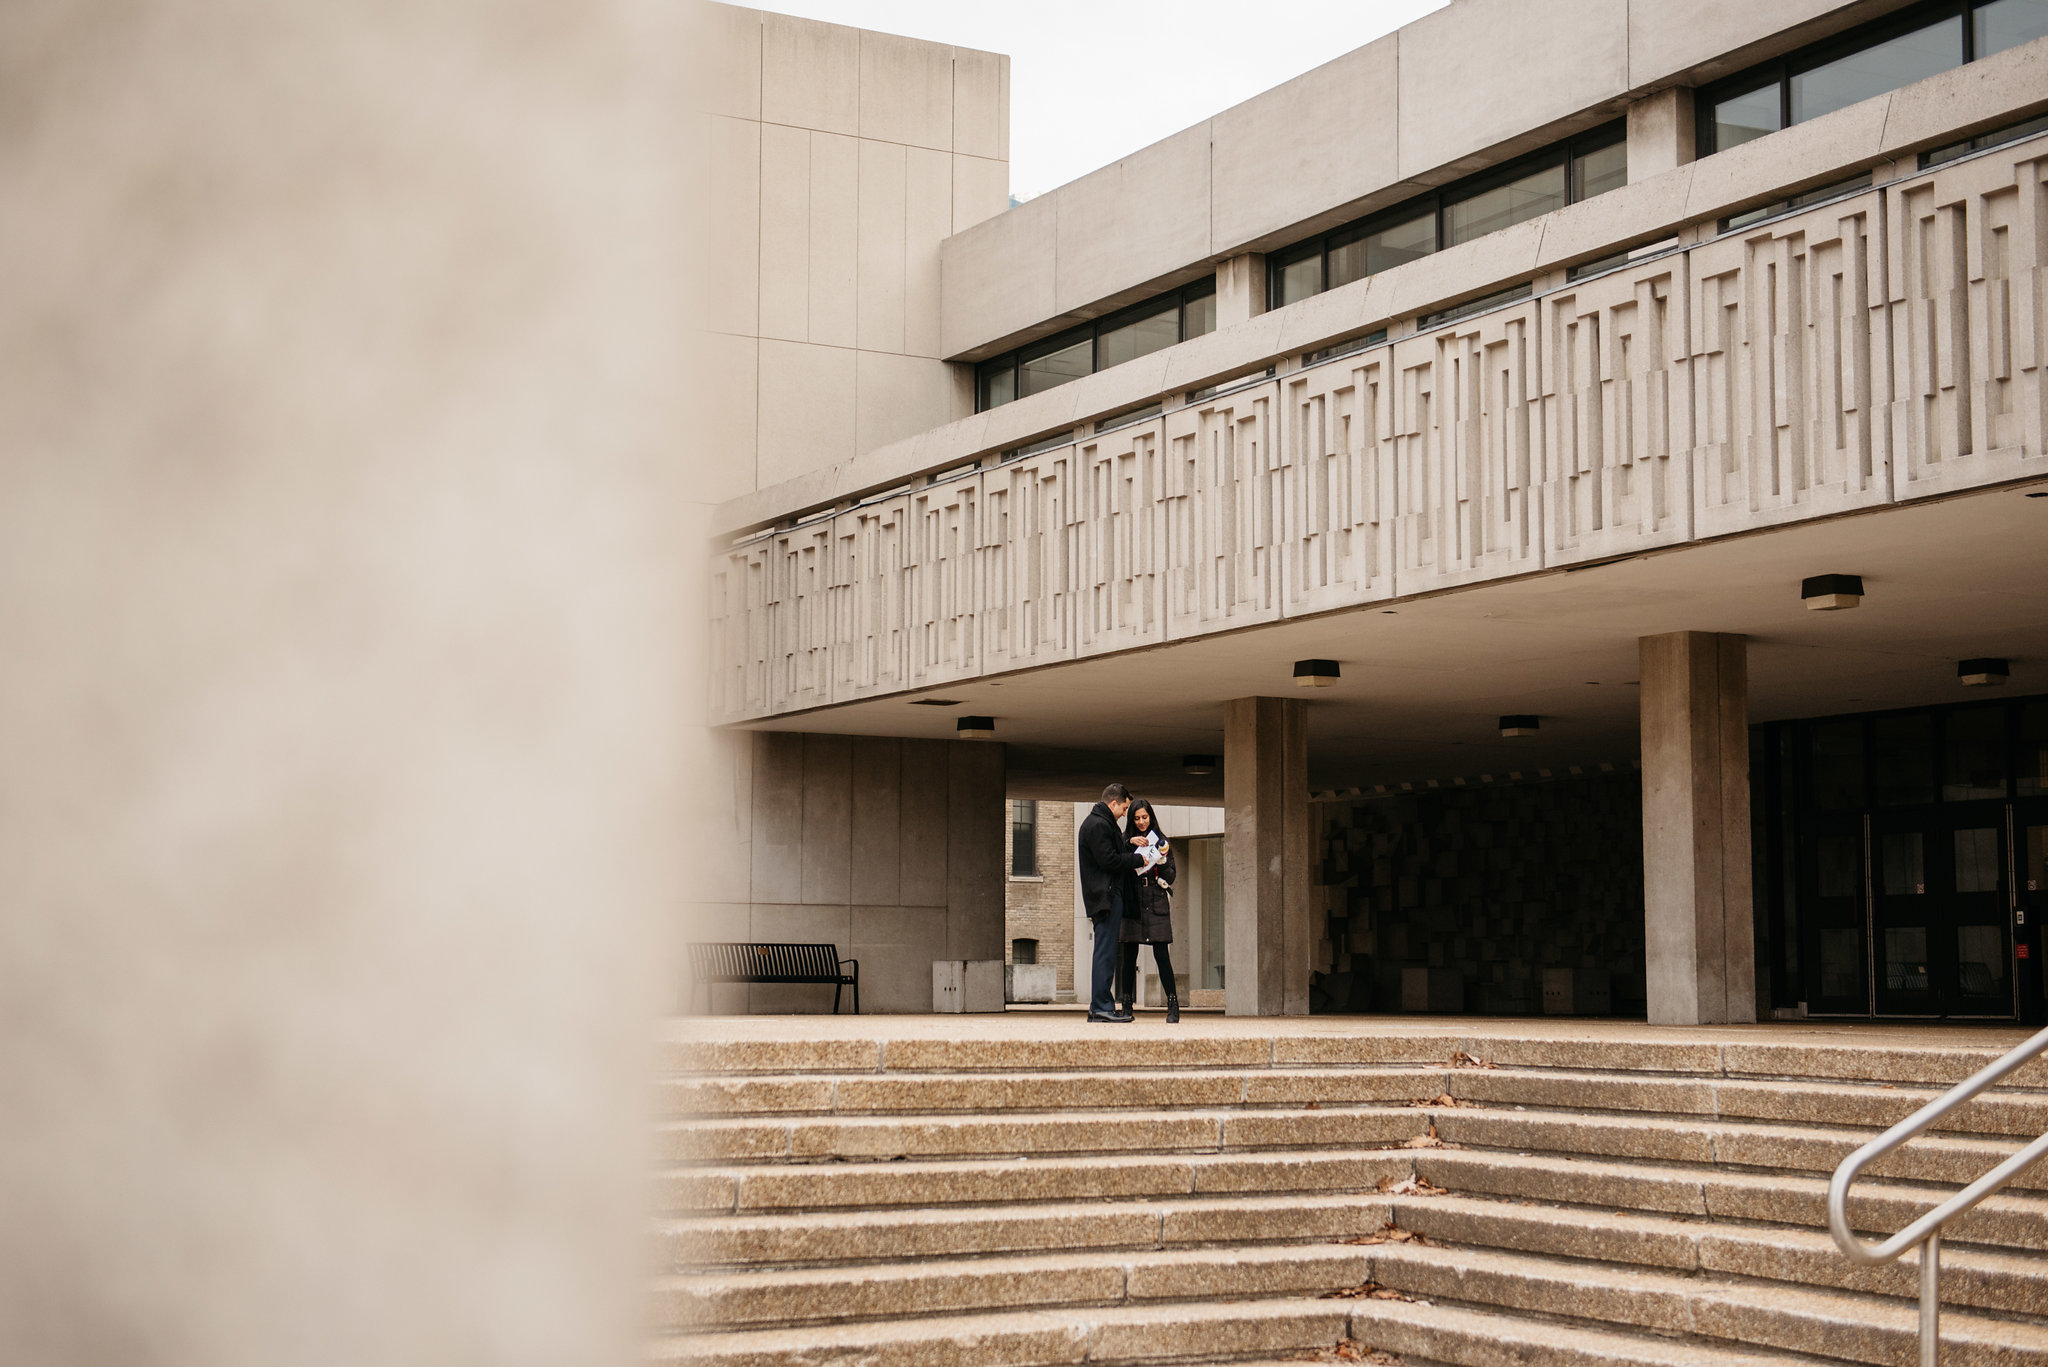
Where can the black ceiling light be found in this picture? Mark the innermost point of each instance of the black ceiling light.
(1197, 766)
(1831, 592)
(1520, 724)
(1985, 672)
(934, 702)
(975, 728)
(1315, 673)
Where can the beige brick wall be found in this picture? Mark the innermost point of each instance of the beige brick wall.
(1042, 908)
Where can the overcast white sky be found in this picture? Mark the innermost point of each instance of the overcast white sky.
(1094, 80)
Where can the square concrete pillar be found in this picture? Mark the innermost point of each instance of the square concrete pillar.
(1660, 133)
(1265, 857)
(1696, 877)
(1240, 288)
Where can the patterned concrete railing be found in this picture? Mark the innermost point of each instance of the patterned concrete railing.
(1880, 348)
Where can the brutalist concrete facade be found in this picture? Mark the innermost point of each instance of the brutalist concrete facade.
(1597, 449)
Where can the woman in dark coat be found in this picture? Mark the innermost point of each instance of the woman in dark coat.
(1148, 895)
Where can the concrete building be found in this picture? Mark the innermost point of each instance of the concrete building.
(1531, 429)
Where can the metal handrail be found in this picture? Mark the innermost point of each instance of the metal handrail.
(1926, 1231)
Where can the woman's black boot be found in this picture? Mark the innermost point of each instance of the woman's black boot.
(1172, 1001)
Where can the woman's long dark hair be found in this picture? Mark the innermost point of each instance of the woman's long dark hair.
(1131, 820)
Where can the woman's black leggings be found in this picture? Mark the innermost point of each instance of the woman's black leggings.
(1127, 971)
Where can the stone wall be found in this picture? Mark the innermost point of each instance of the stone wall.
(838, 161)
(1794, 370)
(1042, 908)
(890, 849)
(1482, 888)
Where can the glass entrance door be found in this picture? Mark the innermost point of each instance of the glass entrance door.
(2030, 908)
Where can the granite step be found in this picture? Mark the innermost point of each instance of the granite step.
(1866, 1105)
(2012, 1220)
(1003, 1135)
(1849, 1326)
(842, 1186)
(686, 1245)
(1180, 1332)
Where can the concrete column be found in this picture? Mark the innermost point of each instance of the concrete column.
(1696, 877)
(1265, 857)
(1240, 288)
(1660, 133)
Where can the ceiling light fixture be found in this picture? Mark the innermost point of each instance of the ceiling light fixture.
(1315, 673)
(934, 702)
(1198, 766)
(975, 728)
(1831, 592)
(1520, 724)
(1984, 672)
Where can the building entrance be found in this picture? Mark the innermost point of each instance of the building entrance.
(1912, 861)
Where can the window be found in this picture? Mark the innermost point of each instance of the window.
(1898, 50)
(1024, 839)
(1578, 168)
(1137, 331)
(1023, 951)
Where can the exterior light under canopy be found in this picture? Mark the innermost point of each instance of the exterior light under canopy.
(1830, 592)
(1198, 765)
(1520, 724)
(1982, 673)
(975, 728)
(1315, 673)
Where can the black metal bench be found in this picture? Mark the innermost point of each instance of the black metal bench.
(761, 963)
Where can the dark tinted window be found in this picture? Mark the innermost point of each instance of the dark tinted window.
(1598, 170)
(1504, 205)
(1024, 844)
(1746, 117)
(1137, 337)
(1198, 316)
(1036, 374)
(1973, 754)
(1876, 69)
(1297, 279)
(2008, 23)
(1837, 765)
(1902, 760)
(1357, 255)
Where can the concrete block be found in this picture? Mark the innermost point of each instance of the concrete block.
(810, 74)
(1271, 179)
(879, 315)
(729, 77)
(785, 227)
(731, 436)
(922, 843)
(1665, 39)
(834, 270)
(732, 249)
(778, 791)
(877, 779)
(906, 91)
(807, 416)
(1030, 982)
(1576, 992)
(981, 190)
(981, 102)
(927, 222)
(898, 396)
(1536, 63)
(1103, 249)
(1432, 989)
(973, 986)
(998, 276)
(828, 820)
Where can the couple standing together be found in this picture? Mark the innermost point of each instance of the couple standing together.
(1127, 886)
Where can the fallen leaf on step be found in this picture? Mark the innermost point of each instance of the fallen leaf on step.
(1410, 1186)
(1386, 1234)
(1461, 1059)
(1351, 1350)
(1424, 1141)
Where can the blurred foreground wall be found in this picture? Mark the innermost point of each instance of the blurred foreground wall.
(344, 665)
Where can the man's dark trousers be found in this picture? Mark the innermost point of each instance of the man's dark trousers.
(1109, 931)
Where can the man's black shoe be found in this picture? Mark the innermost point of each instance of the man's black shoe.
(1115, 1018)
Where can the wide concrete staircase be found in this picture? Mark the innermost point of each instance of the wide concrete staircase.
(1150, 1196)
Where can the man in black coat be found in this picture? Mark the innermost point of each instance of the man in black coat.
(1105, 858)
